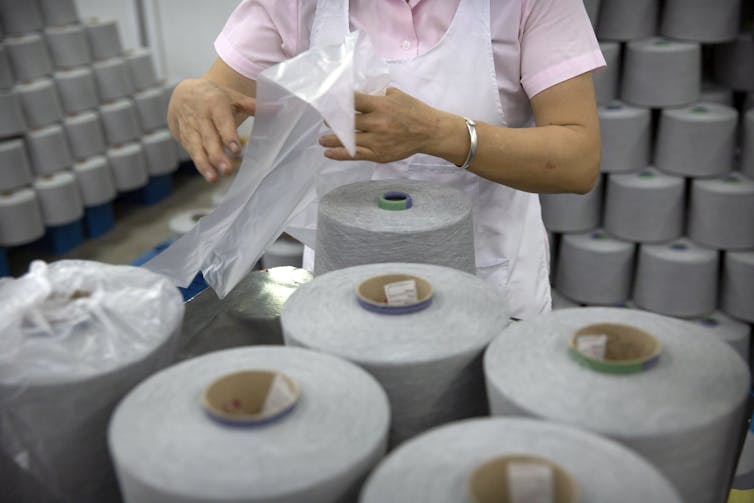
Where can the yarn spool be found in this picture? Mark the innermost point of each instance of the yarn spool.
(6, 73)
(623, 21)
(113, 79)
(85, 135)
(141, 68)
(149, 105)
(20, 17)
(120, 122)
(108, 328)
(186, 220)
(40, 102)
(159, 149)
(48, 149)
(572, 212)
(734, 63)
(28, 57)
(12, 121)
(20, 218)
(606, 79)
(681, 408)
(697, 141)
(341, 411)
(747, 141)
(15, 171)
(104, 39)
(445, 465)
(626, 137)
(661, 73)
(426, 352)
(595, 269)
(743, 483)
(285, 251)
(353, 229)
(715, 93)
(732, 332)
(129, 167)
(77, 89)
(59, 198)
(738, 285)
(677, 279)
(701, 20)
(645, 207)
(720, 212)
(95, 181)
(59, 12)
(68, 46)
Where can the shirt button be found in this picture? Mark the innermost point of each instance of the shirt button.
(406, 45)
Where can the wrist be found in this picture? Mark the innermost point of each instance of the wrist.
(451, 139)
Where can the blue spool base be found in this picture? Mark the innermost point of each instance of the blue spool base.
(62, 238)
(99, 219)
(197, 284)
(157, 189)
(4, 266)
(188, 168)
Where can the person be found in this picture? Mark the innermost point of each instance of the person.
(492, 96)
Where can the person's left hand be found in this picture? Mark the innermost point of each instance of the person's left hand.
(388, 128)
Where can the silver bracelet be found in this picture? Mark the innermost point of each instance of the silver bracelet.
(471, 126)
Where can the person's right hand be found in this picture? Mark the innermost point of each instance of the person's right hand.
(204, 117)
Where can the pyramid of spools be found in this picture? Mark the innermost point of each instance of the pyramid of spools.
(81, 120)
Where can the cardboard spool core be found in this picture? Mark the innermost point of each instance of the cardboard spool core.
(250, 397)
(395, 201)
(371, 294)
(628, 349)
(488, 482)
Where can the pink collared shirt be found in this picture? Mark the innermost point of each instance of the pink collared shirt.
(551, 40)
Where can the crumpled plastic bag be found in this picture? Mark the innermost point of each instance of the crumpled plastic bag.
(275, 183)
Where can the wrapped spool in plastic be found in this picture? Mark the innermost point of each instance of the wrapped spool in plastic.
(645, 207)
(6, 73)
(59, 198)
(738, 285)
(40, 102)
(680, 403)
(677, 279)
(85, 134)
(559, 301)
(728, 330)
(423, 222)
(95, 181)
(593, 10)
(149, 105)
(285, 251)
(141, 67)
(626, 137)
(661, 73)
(159, 149)
(20, 218)
(77, 89)
(313, 404)
(186, 220)
(104, 39)
(20, 17)
(490, 459)
(48, 149)
(620, 20)
(12, 120)
(697, 141)
(82, 335)
(747, 144)
(701, 20)
(120, 122)
(113, 79)
(59, 12)
(15, 170)
(721, 211)
(606, 79)
(426, 352)
(68, 46)
(28, 56)
(129, 167)
(716, 93)
(594, 268)
(734, 63)
(572, 212)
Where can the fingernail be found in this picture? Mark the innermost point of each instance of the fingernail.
(224, 168)
(234, 147)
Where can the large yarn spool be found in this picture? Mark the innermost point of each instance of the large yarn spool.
(141, 68)
(734, 63)
(677, 279)
(20, 218)
(20, 17)
(619, 20)
(318, 452)
(661, 73)
(40, 102)
(738, 285)
(353, 229)
(594, 268)
(149, 105)
(78, 336)
(77, 89)
(59, 12)
(129, 167)
(48, 149)
(697, 141)
(626, 137)
(161, 153)
(646, 207)
(12, 120)
(428, 360)
(572, 212)
(95, 182)
(59, 198)
(104, 38)
(6, 72)
(285, 251)
(606, 80)
(733, 332)
(85, 134)
(113, 79)
(701, 20)
(120, 122)
(682, 408)
(721, 212)
(439, 466)
(747, 144)
(716, 93)
(68, 46)
(28, 56)
(15, 170)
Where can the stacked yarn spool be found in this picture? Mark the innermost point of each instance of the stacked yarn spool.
(81, 120)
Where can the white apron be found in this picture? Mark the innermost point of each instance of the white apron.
(457, 76)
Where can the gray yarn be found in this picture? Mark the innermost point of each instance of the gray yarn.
(701, 20)
(572, 212)
(77, 89)
(85, 135)
(623, 21)
(626, 138)
(68, 46)
(738, 285)
(606, 79)
(40, 102)
(721, 212)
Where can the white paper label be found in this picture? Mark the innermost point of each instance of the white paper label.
(530, 483)
(592, 345)
(401, 293)
(278, 396)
